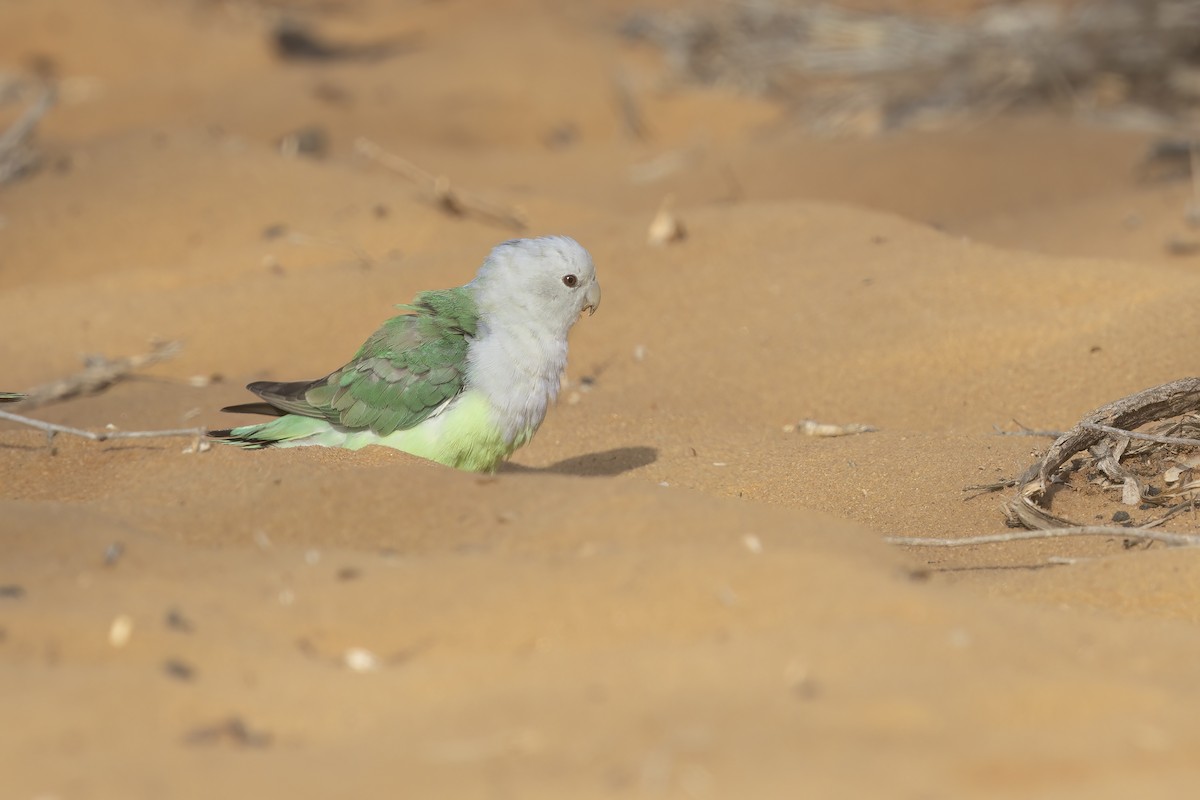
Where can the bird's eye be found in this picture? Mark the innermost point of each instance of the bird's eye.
(571, 281)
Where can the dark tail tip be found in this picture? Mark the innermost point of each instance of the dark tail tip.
(229, 437)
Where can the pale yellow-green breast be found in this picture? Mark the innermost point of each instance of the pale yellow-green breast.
(464, 436)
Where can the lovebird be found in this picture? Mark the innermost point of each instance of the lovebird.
(465, 378)
(11, 397)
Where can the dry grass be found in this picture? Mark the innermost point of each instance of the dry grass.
(860, 73)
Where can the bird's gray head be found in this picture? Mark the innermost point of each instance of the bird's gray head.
(550, 278)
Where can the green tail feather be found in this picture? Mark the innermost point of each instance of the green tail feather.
(11, 397)
(286, 431)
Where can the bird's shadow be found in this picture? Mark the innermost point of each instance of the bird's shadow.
(603, 464)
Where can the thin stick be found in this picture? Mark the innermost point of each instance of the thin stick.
(1047, 434)
(104, 436)
(1173, 539)
(1025, 431)
(454, 202)
(1147, 437)
(98, 374)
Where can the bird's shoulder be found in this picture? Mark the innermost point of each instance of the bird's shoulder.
(437, 324)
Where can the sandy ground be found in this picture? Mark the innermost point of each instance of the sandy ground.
(666, 594)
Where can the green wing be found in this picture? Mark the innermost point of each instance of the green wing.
(407, 369)
(11, 397)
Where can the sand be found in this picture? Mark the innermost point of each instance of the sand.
(668, 593)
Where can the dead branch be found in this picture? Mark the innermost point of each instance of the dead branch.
(1146, 437)
(98, 374)
(1023, 512)
(1170, 539)
(17, 156)
(1116, 418)
(1159, 402)
(455, 202)
(53, 429)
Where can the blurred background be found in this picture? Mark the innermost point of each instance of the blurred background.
(973, 116)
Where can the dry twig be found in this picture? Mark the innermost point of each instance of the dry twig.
(453, 201)
(1171, 539)
(1025, 431)
(98, 374)
(52, 429)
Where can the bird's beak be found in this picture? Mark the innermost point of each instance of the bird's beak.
(593, 298)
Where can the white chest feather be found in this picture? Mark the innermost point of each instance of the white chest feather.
(519, 370)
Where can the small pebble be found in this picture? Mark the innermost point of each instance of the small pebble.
(360, 659)
(120, 631)
(113, 553)
(666, 227)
